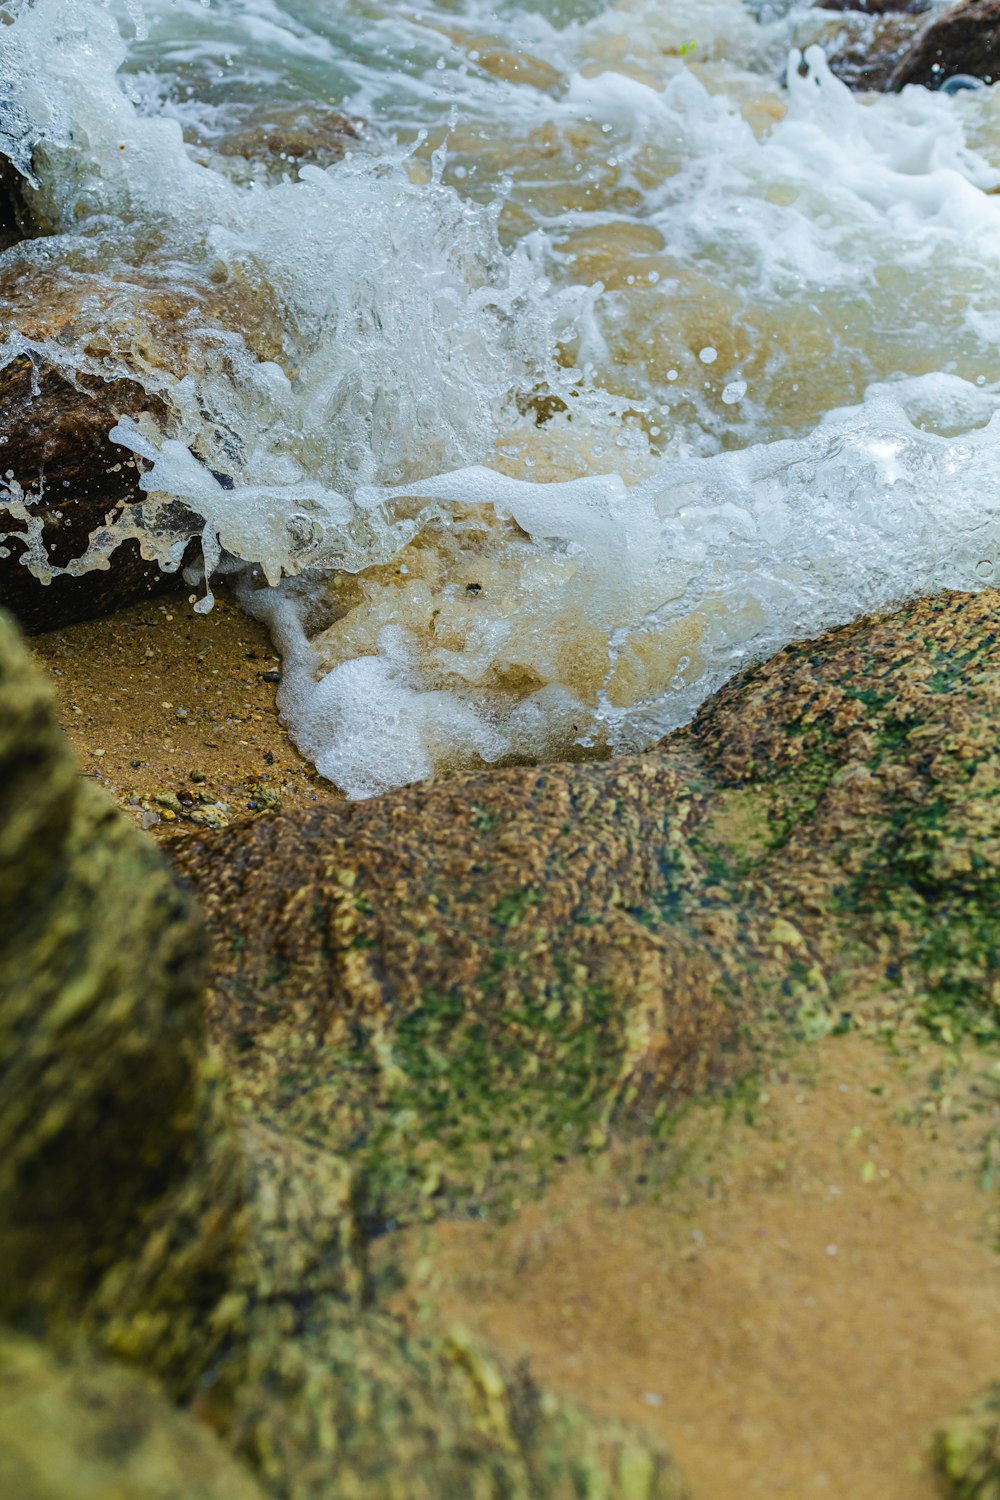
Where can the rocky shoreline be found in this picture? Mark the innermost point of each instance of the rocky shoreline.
(431, 1005)
(328, 1128)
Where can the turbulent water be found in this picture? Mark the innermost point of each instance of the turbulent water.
(612, 347)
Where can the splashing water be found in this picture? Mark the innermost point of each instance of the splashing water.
(602, 363)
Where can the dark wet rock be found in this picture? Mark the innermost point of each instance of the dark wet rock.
(146, 330)
(146, 1215)
(877, 7)
(965, 39)
(967, 1450)
(54, 445)
(866, 47)
(14, 221)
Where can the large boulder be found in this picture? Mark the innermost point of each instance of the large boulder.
(119, 1197)
(965, 39)
(460, 984)
(142, 1217)
(427, 1003)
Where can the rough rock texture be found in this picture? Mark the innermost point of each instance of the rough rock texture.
(119, 1200)
(88, 1429)
(864, 48)
(425, 1003)
(966, 39)
(274, 140)
(55, 444)
(219, 1253)
(459, 984)
(967, 1450)
(58, 404)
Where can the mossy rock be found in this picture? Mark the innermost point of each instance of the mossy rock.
(425, 1004)
(461, 984)
(967, 1450)
(117, 1192)
(86, 1429)
(220, 1255)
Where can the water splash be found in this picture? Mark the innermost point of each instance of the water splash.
(599, 366)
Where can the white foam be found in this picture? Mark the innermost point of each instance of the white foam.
(433, 611)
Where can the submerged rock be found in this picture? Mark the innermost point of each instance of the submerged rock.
(272, 141)
(965, 39)
(866, 46)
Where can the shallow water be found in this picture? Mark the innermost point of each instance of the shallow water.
(604, 361)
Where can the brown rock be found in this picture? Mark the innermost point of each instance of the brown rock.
(281, 138)
(54, 443)
(966, 39)
(869, 46)
(876, 7)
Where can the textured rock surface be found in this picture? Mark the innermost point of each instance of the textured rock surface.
(273, 140)
(426, 1003)
(461, 983)
(967, 1450)
(58, 405)
(88, 1429)
(218, 1253)
(864, 48)
(118, 1195)
(965, 39)
(56, 446)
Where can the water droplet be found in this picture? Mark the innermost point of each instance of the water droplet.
(708, 355)
(984, 569)
(734, 392)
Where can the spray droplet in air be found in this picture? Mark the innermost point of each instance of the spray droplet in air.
(734, 392)
(708, 356)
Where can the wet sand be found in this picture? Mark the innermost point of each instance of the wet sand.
(794, 1314)
(160, 702)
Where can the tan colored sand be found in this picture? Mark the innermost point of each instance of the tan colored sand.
(795, 1314)
(154, 693)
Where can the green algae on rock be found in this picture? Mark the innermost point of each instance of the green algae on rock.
(89, 1429)
(450, 977)
(872, 756)
(967, 1450)
(118, 1199)
(458, 985)
(140, 1217)
(430, 1000)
